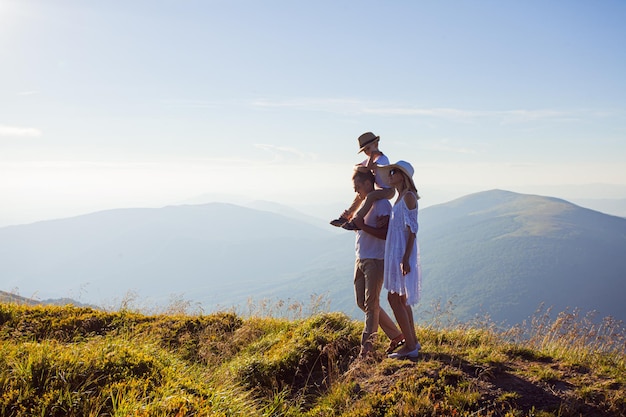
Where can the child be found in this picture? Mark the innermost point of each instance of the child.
(368, 144)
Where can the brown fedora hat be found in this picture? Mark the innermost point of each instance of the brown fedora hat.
(365, 139)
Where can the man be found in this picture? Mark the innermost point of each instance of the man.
(369, 266)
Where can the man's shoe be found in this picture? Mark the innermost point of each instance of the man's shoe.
(339, 222)
(350, 226)
(365, 350)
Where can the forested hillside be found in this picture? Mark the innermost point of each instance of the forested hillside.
(505, 254)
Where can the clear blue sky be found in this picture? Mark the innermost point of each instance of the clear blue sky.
(144, 103)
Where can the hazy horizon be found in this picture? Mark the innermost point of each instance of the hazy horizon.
(588, 196)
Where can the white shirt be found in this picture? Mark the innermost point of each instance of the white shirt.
(368, 246)
(382, 160)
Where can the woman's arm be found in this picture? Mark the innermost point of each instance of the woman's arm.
(405, 266)
(411, 202)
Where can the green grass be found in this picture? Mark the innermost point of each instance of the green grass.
(69, 361)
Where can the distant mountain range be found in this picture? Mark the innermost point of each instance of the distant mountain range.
(210, 253)
(495, 252)
(504, 253)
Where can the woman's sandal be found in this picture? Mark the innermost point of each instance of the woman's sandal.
(395, 343)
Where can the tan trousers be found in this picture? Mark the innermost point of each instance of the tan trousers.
(368, 282)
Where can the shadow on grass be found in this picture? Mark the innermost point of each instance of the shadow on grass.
(500, 384)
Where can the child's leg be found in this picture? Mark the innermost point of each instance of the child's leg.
(349, 213)
(384, 193)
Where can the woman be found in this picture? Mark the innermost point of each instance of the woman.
(402, 267)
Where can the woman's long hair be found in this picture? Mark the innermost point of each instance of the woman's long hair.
(408, 184)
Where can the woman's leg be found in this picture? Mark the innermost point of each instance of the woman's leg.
(404, 319)
(409, 313)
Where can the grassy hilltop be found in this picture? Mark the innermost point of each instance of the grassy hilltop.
(71, 361)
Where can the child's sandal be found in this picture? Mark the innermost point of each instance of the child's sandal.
(339, 222)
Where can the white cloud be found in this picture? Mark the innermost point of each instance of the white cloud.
(432, 112)
(19, 131)
(445, 146)
(283, 153)
(459, 115)
(331, 105)
(523, 116)
(356, 106)
(190, 103)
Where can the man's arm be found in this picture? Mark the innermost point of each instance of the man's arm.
(379, 232)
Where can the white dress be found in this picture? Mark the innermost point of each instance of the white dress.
(402, 219)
